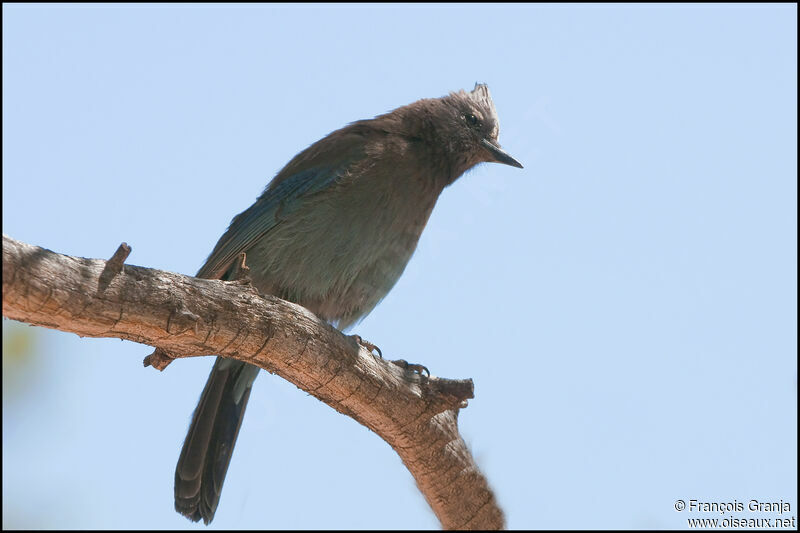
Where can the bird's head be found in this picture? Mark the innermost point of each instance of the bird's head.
(467, 124)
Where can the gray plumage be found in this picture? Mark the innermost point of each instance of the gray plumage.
(333, 232)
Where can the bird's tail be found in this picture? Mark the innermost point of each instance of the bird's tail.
(209, 443)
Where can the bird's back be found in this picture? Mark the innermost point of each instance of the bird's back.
(336, 228)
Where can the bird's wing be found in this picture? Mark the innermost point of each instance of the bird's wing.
(276, 203)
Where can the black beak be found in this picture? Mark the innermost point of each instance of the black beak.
(499, 155)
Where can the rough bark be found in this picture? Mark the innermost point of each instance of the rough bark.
(183, 316)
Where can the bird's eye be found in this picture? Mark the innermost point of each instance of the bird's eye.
(472, 120)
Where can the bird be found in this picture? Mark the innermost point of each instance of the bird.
(333, 232)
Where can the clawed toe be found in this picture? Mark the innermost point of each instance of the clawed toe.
(414, 367)
(368, 345)
(402, 363)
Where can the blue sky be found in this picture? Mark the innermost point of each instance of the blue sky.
(626, 304)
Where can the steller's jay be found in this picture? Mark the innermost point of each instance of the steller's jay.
(333, 232)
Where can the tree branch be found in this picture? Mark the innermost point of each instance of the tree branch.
(183, 316)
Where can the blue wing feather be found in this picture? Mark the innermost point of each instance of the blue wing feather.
(253, 224)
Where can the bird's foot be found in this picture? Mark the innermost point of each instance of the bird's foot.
(414, 367)
(402, 363)
(368, 345)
